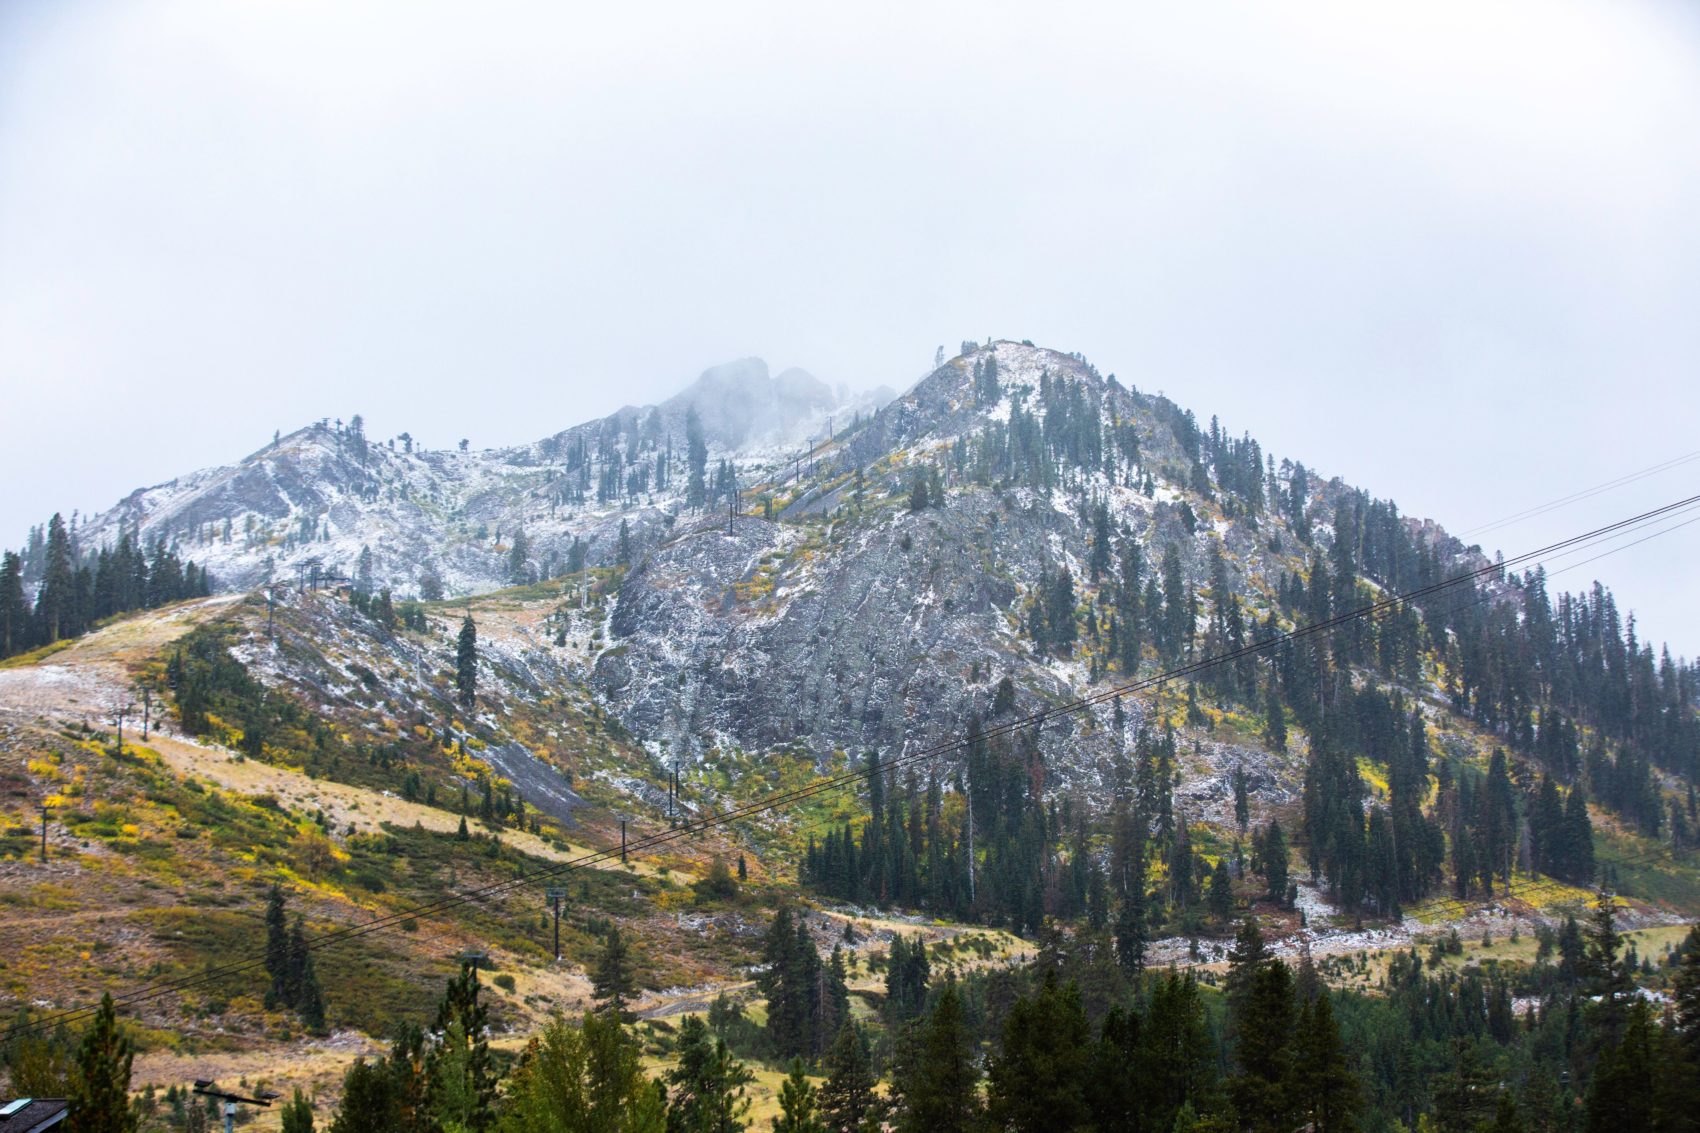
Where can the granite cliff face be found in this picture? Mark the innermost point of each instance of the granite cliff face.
(854, 619)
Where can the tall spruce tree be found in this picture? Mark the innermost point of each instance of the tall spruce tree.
(1325, 1091)
(613, 981)
(466, 662)
(277, 949)
(1262, 1089)
(696, 460)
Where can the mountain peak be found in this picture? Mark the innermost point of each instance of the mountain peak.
(740, 403)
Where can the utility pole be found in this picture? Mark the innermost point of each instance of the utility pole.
(622, 841)
(556, 896)
(209, 1089)
(44, 833)
(147, 711)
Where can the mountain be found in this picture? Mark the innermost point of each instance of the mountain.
(836, 612)
(317, 497)
(685, 608)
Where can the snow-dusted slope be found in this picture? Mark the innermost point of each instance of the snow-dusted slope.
(833, 616)
(319, 497)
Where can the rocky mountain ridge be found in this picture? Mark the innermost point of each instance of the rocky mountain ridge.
(835, 614)
(313, 500)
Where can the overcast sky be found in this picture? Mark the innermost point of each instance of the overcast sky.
(1449, 252)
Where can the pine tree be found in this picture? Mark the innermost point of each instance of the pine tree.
(1274, 720)
(298, 1114)
(1275, 862)
(296, 967)
(791, 981)
(1039, 1079)
(708, 1083)
(367, 1103)
(1131, 934)
(1242, 799)
(1221, 892)
(848, 1095)
(1606, 975)
(907, 971)
(1623, 1092)
(519, 552)
(797, 1104)
(466, 662)
(1262, 1090)
(310, 1000)
(277, 949)
(1325, 1089)
(586, 1076)
(1175, 1053)
(363, 573)
(460, 1080)
(100, 1091)
(408, 1084)
(940, 1087)
(1247, 954)
(1578, 840)
(14, 609)
(696, 459)
(918, 490)
(614, 983)
(56, 601)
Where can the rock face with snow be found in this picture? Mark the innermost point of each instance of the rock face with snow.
(853, 620)
(318, 497)
(835, 614)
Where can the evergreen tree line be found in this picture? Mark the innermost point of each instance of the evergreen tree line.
(990, 845)
(53, 592)
(994, 849)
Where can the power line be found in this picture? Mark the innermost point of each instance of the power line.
(1585, 493)
(830, 783)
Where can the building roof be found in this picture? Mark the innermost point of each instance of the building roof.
(28, 1115)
